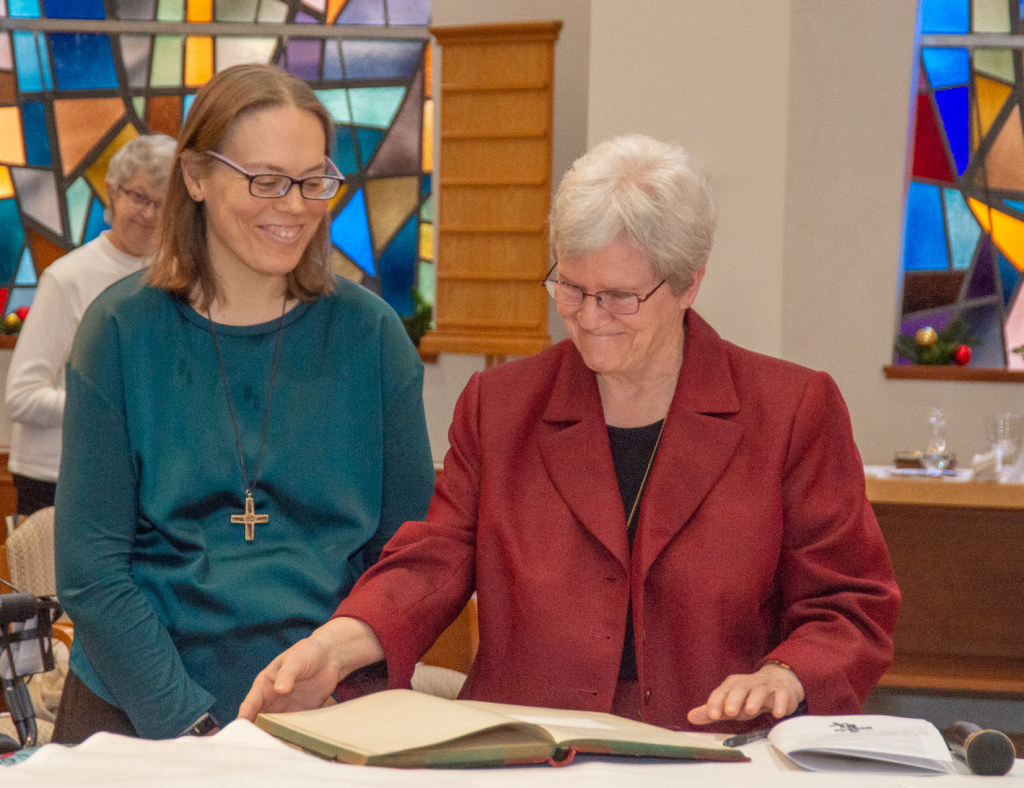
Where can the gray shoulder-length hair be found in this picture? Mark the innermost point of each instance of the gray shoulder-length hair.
(651, 194)
(150, 154)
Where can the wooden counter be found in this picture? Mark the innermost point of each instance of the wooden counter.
(958, 553)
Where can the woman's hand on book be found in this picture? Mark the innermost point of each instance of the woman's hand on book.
(775, 688)
(304, 676)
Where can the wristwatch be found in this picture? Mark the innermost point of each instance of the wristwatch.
(204, 726)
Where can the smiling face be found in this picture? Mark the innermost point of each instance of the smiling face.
(251, 236)
(135, 215)
(640, 346)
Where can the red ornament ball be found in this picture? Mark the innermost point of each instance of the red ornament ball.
(962, 354)
(22, 313)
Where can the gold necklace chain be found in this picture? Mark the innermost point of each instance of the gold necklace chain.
(643, 482)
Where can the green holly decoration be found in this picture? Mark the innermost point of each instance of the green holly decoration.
(942, 350)
(421, 320)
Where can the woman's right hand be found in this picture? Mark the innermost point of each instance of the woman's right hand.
(304, 676)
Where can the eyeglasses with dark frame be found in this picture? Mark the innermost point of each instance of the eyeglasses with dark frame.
(270, 185)
(140, 200)
(618, 302)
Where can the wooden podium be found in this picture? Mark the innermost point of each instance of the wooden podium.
(495, 188)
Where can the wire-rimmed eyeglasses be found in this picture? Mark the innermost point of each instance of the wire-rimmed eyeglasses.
(618, 302)
(276, 184)
(142, 201)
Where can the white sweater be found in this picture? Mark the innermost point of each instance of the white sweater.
(35, 379)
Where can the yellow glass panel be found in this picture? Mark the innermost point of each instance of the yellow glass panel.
(333, 9)
(390, 201)
(426, 241)
(1007, 232)
(991, 16)
(200, 10)
(81, 123)
(337, 197)
(198, 59)
(96, 173)
(6, 186)
(428, 135)
(991, 97)
(12, 147)
(1004, 164)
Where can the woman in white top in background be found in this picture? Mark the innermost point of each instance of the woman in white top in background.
(136, 178)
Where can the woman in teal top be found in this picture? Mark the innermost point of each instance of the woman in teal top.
(243, 433)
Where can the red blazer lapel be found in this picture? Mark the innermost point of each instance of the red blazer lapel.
(578, 458)
(696, 446)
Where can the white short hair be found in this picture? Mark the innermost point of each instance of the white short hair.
(150, 154)
(651, 194)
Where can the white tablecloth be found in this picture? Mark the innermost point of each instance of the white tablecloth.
(242, 755)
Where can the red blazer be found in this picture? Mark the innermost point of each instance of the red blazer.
(755, 541)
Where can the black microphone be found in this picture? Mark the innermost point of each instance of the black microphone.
(986, 752)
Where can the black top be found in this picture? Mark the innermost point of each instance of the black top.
(631, 453)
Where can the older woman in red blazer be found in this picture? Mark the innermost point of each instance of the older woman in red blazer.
(656, 522)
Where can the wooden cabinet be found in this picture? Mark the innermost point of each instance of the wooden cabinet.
(494, 191)
(958, 553)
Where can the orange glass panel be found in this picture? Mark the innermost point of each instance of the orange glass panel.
(200, 10)
(337, 197)
(96, 173)
(81, 123)
(12, 147)
(390, 201)
(6, 186)
(333, 9)
(991, 96)
(7, 87)
(198, 60)
(44, 251)
(428, 69)
(428, 135)
(1004, 165)
(1007, 232)
(163, 115)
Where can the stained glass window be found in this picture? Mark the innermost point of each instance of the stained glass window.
(963, 243)
(70, 98)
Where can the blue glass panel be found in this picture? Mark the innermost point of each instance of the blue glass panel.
(44, 60)
(26, 271)
(97, 224)
(332, 61)
(408, 12)
(985, 324)
(26, 58)
(82, 61)
(344, 155)
(306, 19)
(383, 59)
(425, 188)
(398, 267)
(362, 12)
(37, 141)
(369, 140)
(351, 233)
(983, 278)
(1016, 204)
(953, 107)
(26, 9)
(336, 102)
(20, 296)
(1009, 277)
(946, 67)
(924, 237)
(963, 229)
(74, 9)
(187, 105)
(11, 239)
(944, 16)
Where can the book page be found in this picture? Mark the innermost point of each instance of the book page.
(390, 721)
(567, 727)
(827, 743)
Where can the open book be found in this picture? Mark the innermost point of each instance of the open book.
(406, 728)
(864, 743)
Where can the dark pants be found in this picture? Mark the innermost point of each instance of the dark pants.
(82, 713)
(33, 494)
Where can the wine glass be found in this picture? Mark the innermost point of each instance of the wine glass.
(1004, 435)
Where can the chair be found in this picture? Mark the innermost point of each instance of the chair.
(443, 668)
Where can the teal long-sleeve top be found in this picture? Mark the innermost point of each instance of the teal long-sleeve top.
(174, 611)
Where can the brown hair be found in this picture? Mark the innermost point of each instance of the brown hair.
(182, 258)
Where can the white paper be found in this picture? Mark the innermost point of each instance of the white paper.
(563, 722)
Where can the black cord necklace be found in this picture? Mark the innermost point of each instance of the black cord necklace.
(249, 519)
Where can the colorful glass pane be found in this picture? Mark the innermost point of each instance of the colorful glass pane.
(24, 9)
(991, 16)
(200, 11)
(332, 61)
(303, 58)
(231, 51)
(82, 61)
(6, 55)
(344, 154)
(427, 209)
(163, 115)
(351, 233)
(990, 96)
(1009, 277)
(377, 59)
(6, 184)
(400, 152)
(408, 12)
(78, 196)
(428, 138)
(141, 10)
(1013, 332)
(272, 11)
(37, 139)
(44, 251)
(362, 12)
(390, 201)
(369, 139)
(235, 10)
(170, 10)
(74, 9)
(44, 61)
(924, 238)
(26, 59)
(26, 271)
(963, 229)
(12, 151)
(20, 296)
(1004, 165)
(37, 193)
(984, 323)
(943, 16)
(946, 67)
(96, 173)
(336, 102)
(995, 62)
(426, 239)
(96, 224)
(375, 106)
(953, 108)
(426, 281)
(81, 123)
(198, 60)
(11, 239)
(333, 9)
(1007, 231)
(135, 56)
(983, 279)
(166, 62)
(398, 268)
